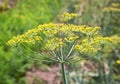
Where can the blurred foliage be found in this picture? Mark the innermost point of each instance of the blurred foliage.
(104, 13)
(25, 14)
(110, 19)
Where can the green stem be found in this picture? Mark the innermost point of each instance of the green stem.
(63, 73)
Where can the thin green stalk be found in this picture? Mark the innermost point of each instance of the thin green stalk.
(63, 73)
(61, 54)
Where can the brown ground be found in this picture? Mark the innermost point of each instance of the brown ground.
(37, 76)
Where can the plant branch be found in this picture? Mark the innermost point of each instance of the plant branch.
(68, 55)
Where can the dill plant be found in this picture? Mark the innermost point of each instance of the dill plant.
(63, 42)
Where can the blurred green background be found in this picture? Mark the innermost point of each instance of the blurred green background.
(17, 16)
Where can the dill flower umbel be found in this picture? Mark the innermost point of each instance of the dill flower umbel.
(62, 42)
(55, 36)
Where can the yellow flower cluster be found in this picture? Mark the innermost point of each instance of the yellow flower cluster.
(67, 16)
(85, 48)
(92, 45)
(89, 30)
(55, 36)
(71, 38)
(54, 43)
(23, 39)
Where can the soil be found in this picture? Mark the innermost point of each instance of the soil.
(38, 76)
